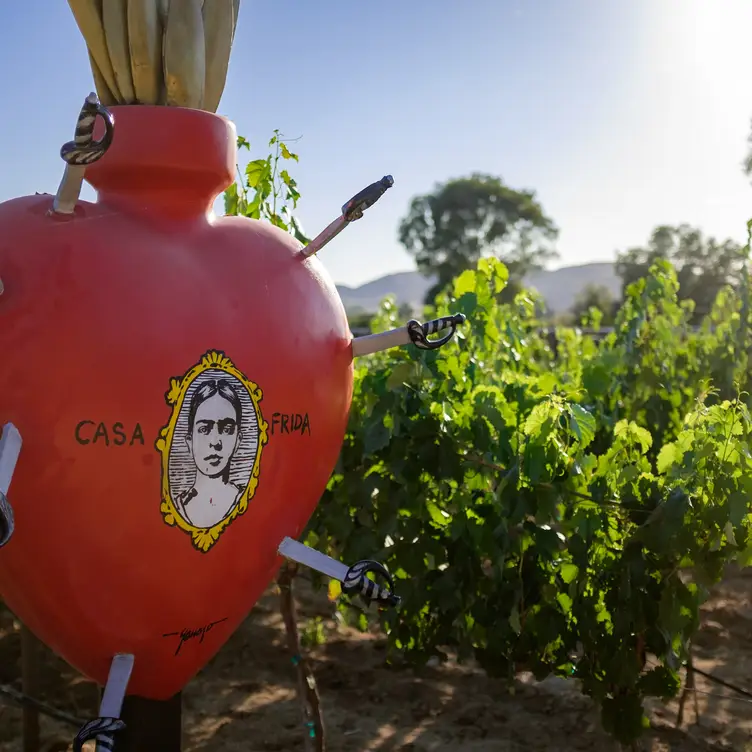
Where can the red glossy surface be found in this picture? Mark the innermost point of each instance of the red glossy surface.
(100, 312)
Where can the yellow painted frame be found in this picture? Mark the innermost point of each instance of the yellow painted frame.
(204, 538)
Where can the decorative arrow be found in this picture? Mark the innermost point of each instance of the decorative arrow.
(109, 723)
(10, 448)
(81, 152)
(351, 211)
(353, 579)
(412, 333)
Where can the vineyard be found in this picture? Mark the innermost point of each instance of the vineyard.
(560, 511)
(246, 700)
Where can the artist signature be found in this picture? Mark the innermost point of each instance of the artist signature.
(187, 634)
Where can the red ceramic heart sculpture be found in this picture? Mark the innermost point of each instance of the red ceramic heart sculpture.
(181, 383)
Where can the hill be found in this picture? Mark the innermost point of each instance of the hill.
(559, 287)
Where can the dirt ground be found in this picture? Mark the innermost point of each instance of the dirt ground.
(246, 698)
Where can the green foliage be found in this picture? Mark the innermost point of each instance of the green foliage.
(265, 189)
(462, 220)
(565, 513)
(595, 306)
(313, 633)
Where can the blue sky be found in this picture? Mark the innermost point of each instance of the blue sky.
(621, 115)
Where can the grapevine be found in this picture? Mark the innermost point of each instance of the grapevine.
(560, 514)
(558, 510)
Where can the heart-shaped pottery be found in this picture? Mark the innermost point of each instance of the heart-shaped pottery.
(181, 383)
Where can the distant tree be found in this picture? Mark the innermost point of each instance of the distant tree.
(703, 265)
(598, 297)
(747, 163)
(462, 220)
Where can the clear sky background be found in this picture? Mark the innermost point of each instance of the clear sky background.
(621, 114)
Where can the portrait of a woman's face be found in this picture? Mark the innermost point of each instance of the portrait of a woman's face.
(214, 427)
(210, 448)
(215, 445)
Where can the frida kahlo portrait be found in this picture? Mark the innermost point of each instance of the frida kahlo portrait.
(212, 448)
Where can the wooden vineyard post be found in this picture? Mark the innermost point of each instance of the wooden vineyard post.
(151, 725)
(30, 666)
(314, 739)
